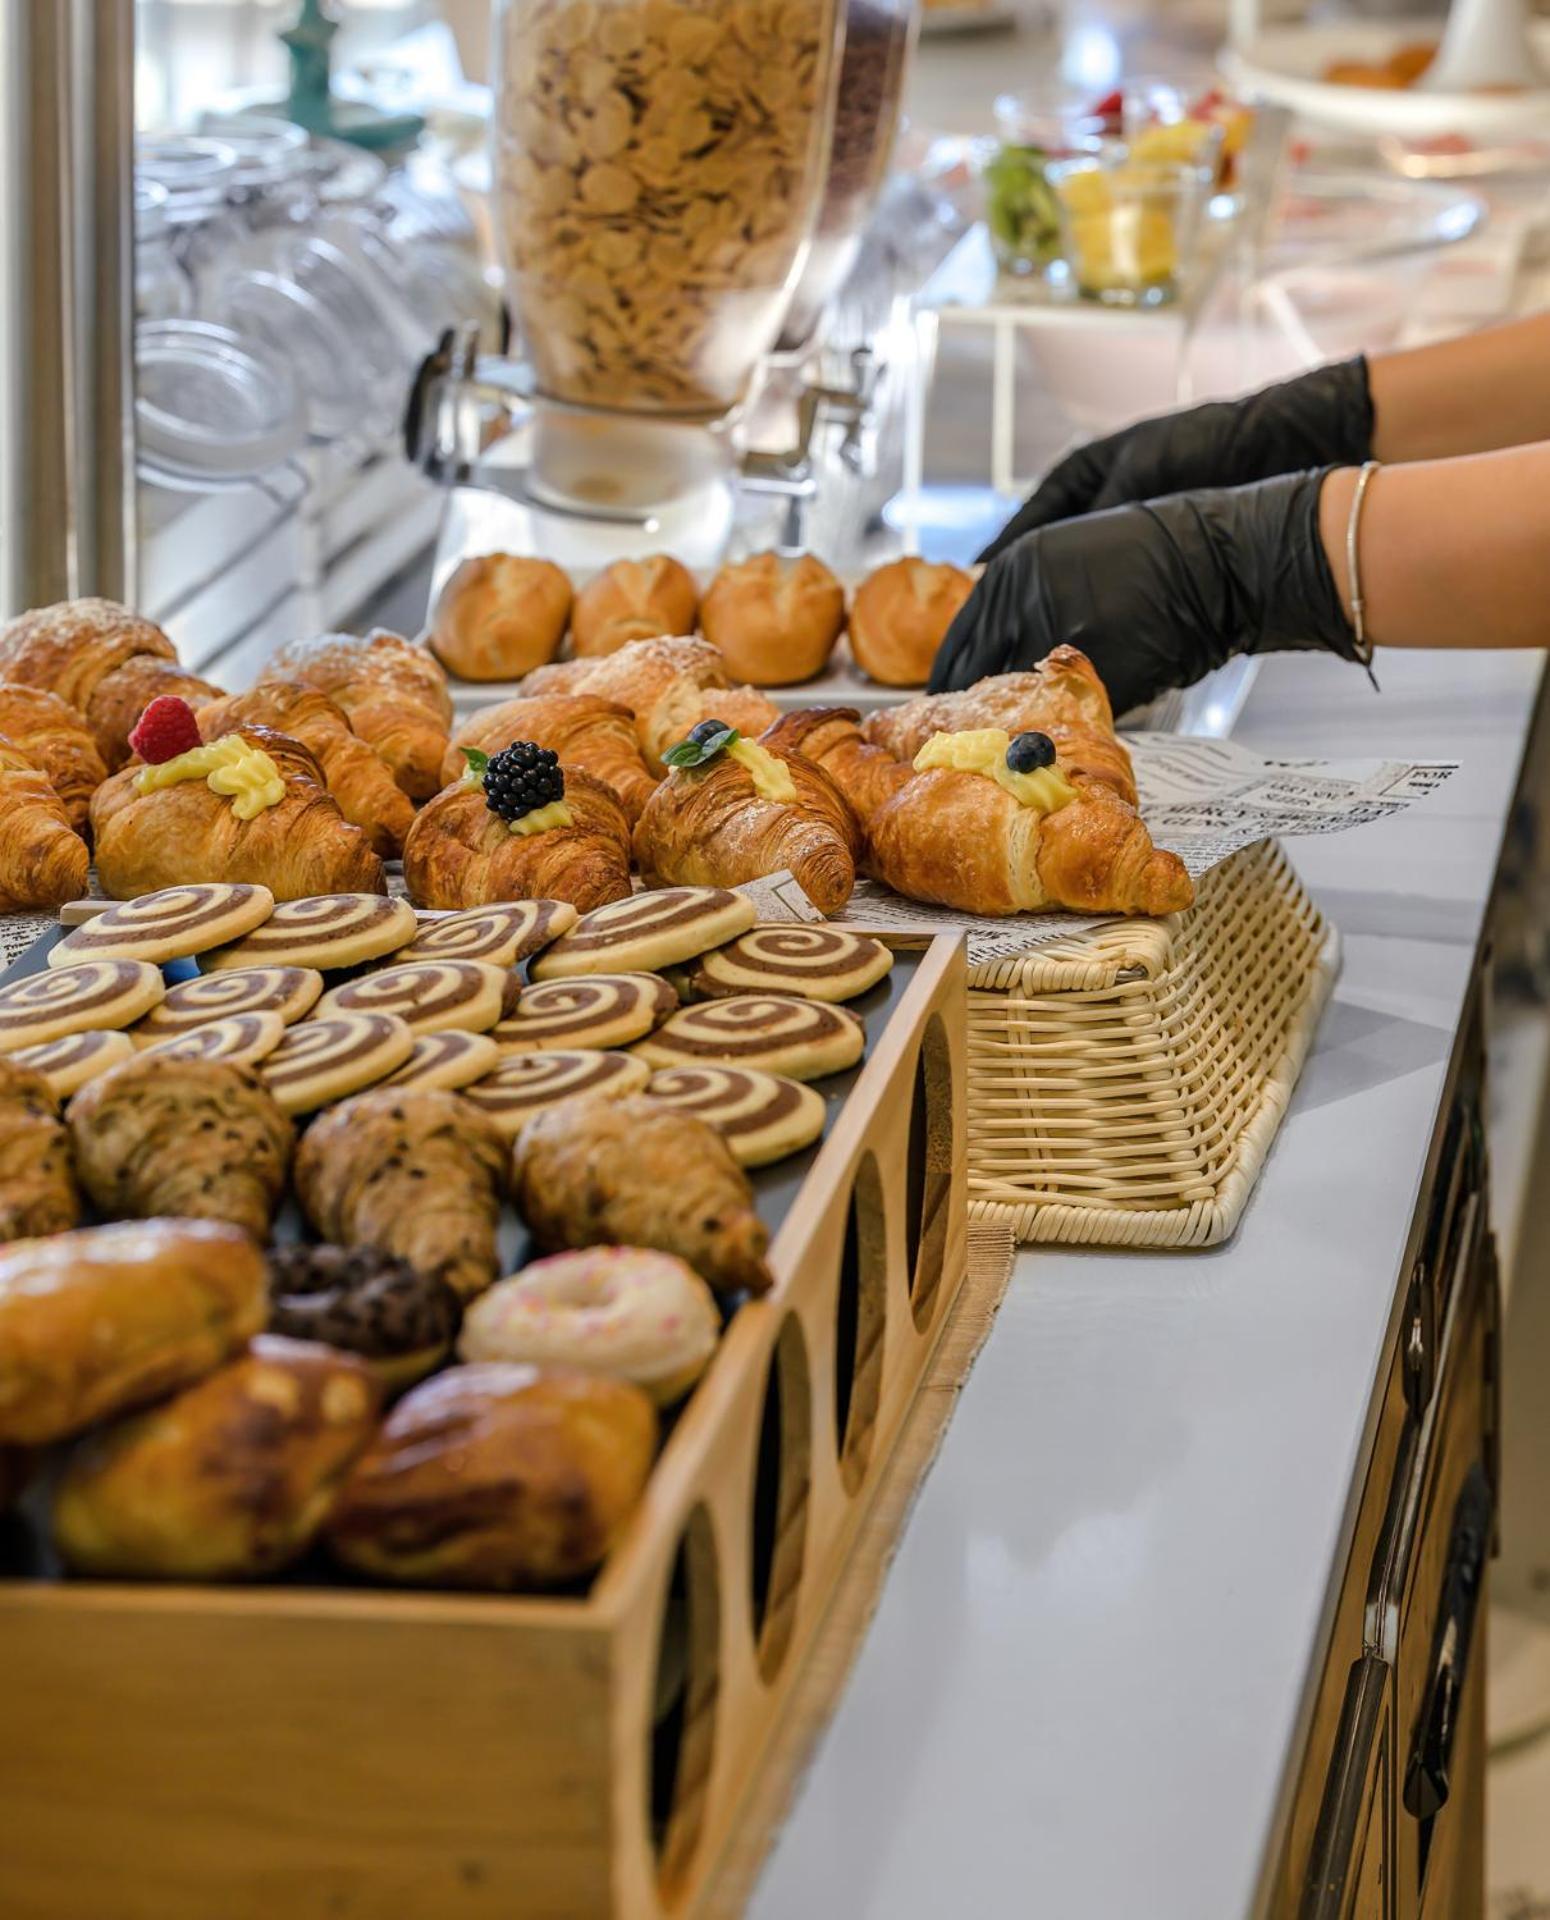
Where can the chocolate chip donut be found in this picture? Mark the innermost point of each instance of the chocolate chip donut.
(366, 1302)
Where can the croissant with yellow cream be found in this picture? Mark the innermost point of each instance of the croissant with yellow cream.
(597, 735)
(163, 826)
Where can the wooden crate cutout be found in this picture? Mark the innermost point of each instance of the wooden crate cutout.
(338, 1753)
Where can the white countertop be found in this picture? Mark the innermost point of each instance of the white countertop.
(1081, 1690)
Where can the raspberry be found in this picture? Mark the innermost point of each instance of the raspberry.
(166, 729)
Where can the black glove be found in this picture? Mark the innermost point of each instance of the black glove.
(1158, 593)
(1322, 418)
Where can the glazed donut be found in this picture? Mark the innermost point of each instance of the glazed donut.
(593, 1010)
(620, 1311)
(400, 1322)
(820, 963)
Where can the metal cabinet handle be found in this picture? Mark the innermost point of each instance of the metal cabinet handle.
(1348, 1790)
(1426, 1775)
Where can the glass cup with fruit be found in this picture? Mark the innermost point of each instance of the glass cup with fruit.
(1038, 128)
(1129, 225)
(1173, 120)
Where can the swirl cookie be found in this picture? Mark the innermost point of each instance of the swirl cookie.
(600, 1010)
(426, 995)
(288, 991)
(323, 1060)
(503, 935)
(774, 1031)
(94, 993)
(450, 1059)
(649, 930)
(820, 963)
(69, 1063)
(240, 1041)
(526, 1083)
(167, 925)
(328, 931)
(761, 1116)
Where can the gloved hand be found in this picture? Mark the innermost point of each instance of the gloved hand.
(1156, 594)
(1322, 418)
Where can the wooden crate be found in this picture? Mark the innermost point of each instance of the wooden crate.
(338, 1753)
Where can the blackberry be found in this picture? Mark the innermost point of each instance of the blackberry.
(521, 778)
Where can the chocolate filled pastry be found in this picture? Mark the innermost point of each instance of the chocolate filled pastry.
(504, 935)
(522, 1084)
(37, 1179)
(57, 741)
(500, 615)
(373, 1304)
(774, 617)
(580, 730)
(231, 1479)
(413, 1170)
(593, 1010)
(776, 1032)
(733, 810)
(393, 693)
(102, 1319)
(656, 929)
(900, 616)
(195, 1139)
(633, 600)
(819, 963)
(497, 1476)
(168, 925)
(633, 1173)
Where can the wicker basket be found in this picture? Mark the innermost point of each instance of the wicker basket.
(1124, 1087)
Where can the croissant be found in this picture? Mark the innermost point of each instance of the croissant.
(460, 854)
(831, 738)
(597, 735)
(414, 1171)
(711, 827)
(393, 692)
(37, 1181)
(1062, 697)
(667, 683)
(56, 739)
(72, 647)
(194, 1139)
(186, 833)
(43, 860)
(123, 695)
(355, 773)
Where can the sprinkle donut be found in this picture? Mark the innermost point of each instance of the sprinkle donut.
(820, 963)
(774, 1031)
(327, 931)
(761, 1116)
(290, 992)
(69, 1063)
(621, 1311)
(504, 935)
(655, 929)
(167, 925)
(323, 1060)
(94, 993)
(240, 1041)
(528, 1083)
(598, 1010)
(426, 994)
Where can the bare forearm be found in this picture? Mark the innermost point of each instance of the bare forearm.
(1453, 553)
(1471, 395)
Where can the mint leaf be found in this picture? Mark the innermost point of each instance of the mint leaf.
(695, 753)
(478, 760)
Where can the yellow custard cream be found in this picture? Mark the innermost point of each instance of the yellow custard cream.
(984, 751)
(230, 766)
(541, 819)
(771, 776)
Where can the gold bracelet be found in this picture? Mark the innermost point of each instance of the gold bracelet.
(1353, 562)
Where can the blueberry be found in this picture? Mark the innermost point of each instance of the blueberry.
(706, 730)
(1029, 752)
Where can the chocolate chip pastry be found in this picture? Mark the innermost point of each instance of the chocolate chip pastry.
(367, 1302)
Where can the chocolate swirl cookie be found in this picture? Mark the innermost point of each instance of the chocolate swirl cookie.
(323, 1060)
(167, 925)
(69, 1063)
(774, 1031)
(427, 995)
(288, 991)
(649, 930)
(527, 1083)
(820, 963)
(93, 993)
(327, 931)
(449, 1059)
(241, 1040)
(503, 935)
(761, 1116)
(599, 1010)
(365, 1302)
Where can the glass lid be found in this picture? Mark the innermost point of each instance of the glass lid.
(209, 408)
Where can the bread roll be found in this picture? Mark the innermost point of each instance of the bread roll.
(228, 1480)
(900, 617)
(498, 1476)
(633, 600)
(775, 619)
(500, 615)
(106, 1318)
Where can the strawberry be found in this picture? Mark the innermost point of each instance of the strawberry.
(166, 729)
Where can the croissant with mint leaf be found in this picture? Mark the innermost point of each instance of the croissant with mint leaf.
(733, 810)
(519, 826)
